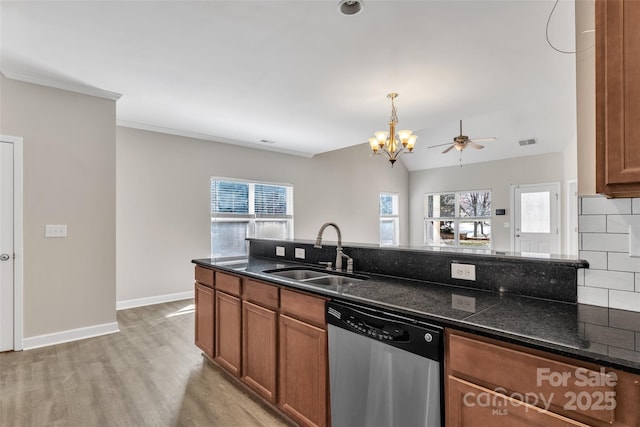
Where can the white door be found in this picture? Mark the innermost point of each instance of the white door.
(537, 218)
(6, 247)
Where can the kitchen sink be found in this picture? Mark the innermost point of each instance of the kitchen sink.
(297, 274)
(316, 277)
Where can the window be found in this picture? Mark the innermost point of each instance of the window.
(241, 209)
(389, 234)
(458, 219)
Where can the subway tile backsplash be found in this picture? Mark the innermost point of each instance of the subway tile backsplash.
(613, 277)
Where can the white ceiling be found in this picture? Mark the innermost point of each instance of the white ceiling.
(301, 75)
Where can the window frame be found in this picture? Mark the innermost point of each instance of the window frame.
(394, 218)
(251, 218)
(456, 219)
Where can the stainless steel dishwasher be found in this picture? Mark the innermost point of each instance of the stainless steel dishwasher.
(384, 369)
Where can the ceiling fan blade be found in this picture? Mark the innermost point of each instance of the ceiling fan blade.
(439, 145)
(474, 145)
(492, 138)
(448, 149)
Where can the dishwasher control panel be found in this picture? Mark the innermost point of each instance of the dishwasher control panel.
(385, 332)
(406, 333)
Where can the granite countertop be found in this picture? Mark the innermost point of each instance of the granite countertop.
(608, 337)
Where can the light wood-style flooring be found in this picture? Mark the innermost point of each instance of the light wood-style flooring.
(148, 374)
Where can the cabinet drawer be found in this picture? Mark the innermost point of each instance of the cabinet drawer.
(568, 389)
(204, 276)
(303, 306)
(469, 405)
(260, 293)
(228, 283)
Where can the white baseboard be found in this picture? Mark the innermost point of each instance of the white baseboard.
(139, 302)
(69, 335)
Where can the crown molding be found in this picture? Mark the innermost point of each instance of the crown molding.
(77, 88)
(206, 137)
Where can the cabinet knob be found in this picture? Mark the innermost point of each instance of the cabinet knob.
(5, 257)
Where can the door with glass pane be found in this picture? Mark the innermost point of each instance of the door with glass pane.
(536, 218)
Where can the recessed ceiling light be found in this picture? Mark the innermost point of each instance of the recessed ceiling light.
(350, 7)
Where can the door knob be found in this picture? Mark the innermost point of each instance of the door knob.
(4, 257)
(517, 235)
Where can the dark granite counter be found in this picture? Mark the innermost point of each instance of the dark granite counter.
(608, 337)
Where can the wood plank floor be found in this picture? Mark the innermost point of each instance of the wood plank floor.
(148, 374)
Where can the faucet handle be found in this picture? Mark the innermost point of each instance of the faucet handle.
(327, 263)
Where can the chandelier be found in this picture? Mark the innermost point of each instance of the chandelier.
(390, 144)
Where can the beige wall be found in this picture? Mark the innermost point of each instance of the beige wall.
(163, 201)
(69, 178)
(496, 176)
(586, 96)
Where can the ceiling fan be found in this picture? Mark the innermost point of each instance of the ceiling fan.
(461, 142)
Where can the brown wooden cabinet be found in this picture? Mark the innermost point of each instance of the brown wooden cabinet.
(303, 392)
(259, 338)
(204, 303)
(271, 337)
(494, 383)
(618, 98)
(467, 408)
(228, 332)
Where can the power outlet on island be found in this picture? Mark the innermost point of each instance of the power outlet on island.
(279, 250)
(300, 253)
(463, 271)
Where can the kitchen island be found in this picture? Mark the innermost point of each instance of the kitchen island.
(516, 334)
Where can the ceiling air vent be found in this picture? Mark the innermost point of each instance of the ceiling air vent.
(529, 141)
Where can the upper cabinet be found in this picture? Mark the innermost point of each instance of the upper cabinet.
(618, 98)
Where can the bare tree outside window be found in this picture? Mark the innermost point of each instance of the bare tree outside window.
(458, 219)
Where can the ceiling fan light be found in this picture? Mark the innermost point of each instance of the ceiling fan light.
(459, 147)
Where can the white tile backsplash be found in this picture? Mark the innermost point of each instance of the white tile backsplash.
(624, 300)
(593, 224)
(593, 296)
(605, 242)
(613, 277)
(601, 205)
(597, 260)
(621, 223)
(623, 262)
(621, 280)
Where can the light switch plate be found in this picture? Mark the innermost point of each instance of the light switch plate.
(463, 271)
(55, 230)
(300, 253)
(279, 250)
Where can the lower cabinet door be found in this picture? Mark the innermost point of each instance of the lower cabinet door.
(204, 318)
(259, 349)
(469, 405)
(303, 372)
(228, 315)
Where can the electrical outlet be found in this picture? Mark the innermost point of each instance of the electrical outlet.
(279, 250)
(55, 230)
(460, 302)
(463, 271)
(300, 253)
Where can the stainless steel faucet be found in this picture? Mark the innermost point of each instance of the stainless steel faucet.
(339, 253)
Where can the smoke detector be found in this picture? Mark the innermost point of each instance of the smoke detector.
(350, 7)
